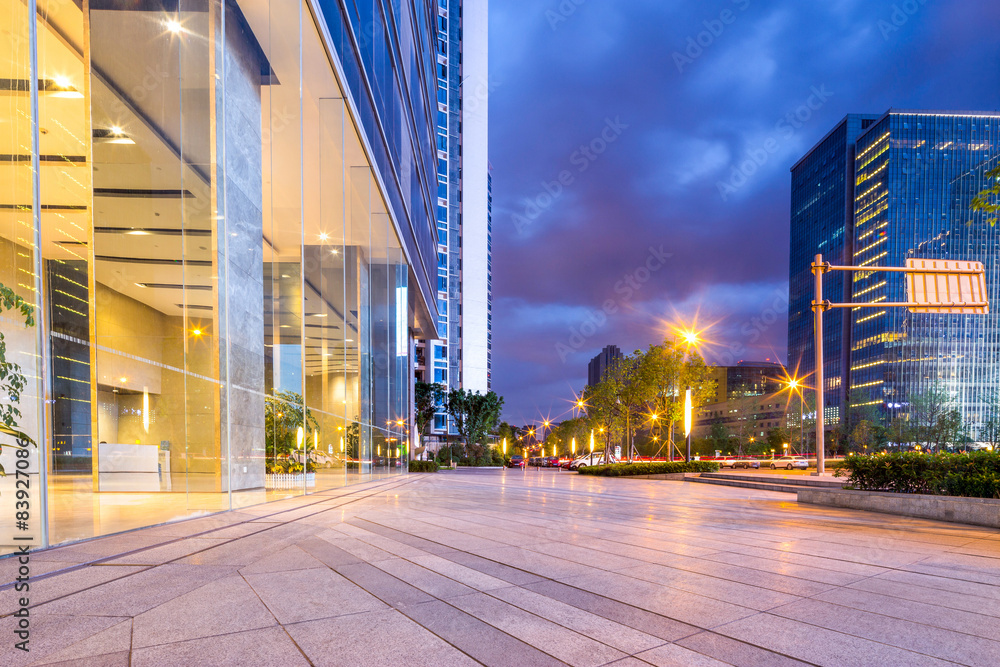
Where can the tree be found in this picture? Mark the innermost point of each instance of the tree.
(668, 370)
(475, 416)
(12, 379)
(776, 438)
(990, 432)
(926, 413)
(988, 199)
(863, 436)
(719, 437)
(429, 399)
(284, 414)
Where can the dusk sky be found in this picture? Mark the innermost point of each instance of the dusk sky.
(641, 153)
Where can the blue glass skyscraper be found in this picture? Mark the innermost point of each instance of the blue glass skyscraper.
(916, 173)
(821, 216)
(876, 191)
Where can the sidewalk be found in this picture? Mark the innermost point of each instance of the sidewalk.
(519, 568)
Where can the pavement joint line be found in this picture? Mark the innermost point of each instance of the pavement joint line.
(565, 583)
(800, 597)
(99, 562)
(934, 529)
(805, 540)
(595, 548)
(269, 610)
(543, 577)
(745, 643)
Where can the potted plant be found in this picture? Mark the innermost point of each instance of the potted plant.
(12, 379)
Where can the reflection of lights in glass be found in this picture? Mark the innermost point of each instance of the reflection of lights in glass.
(196, 332)
(145, 409)
(323, 236)
(173, 25)
(300, 434)
(137, 232)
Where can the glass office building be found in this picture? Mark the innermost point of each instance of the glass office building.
(461, 358)
(222, 215)
(916, 173)
(821, 222)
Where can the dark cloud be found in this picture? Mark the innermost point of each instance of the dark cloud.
(616, 130)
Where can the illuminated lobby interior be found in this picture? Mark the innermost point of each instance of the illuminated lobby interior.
(219, 283)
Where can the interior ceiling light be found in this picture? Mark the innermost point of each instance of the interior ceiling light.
(137, 232)
(173, 25)
(323, 236)
(113, 135)
(59, 86)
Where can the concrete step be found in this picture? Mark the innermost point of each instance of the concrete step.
(789, 480)
(763, 486)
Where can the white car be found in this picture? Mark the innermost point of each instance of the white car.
(591, 459)
(790, 463)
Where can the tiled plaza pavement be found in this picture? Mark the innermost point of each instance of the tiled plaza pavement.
(521, 568)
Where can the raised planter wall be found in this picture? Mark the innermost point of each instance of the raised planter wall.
(974, 511)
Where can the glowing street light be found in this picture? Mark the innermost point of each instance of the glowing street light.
(574, 447)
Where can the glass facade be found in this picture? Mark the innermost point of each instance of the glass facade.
(461, 266)
(221, 214)
(821, 214)
(915, 176)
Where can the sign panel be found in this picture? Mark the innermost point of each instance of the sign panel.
(952, 287)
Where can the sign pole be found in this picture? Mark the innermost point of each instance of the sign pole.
(818, 307)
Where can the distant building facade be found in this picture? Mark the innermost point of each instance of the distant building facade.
(600, 364)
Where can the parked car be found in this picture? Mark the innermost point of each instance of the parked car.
(516, 461)
(591, 459)
(790, 463)
(735, 463)
(550, 462)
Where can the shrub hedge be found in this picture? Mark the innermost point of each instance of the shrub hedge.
(653, 468)
(973, 475)
(423, 466)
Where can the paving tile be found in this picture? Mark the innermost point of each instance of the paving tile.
(621, 637)
(405, 538)
(958, 647)
(57, 638)
(936, 597)
(119, 659)
(460, 573)
(746, 595)
(374, 639)
(432, 583)
(645, 621)
(483, 642)
(255, 648)
(64, 584)
(391, 590)
(543, 565)
(736, 652)
(566, 645)
(674, 655)
(166, 553)
(220, 607)
(286, 560)
(820, 646)
(918, 612)
(683, 606)
(305, 595)
(493, 568)
(131, 595)
(326, 552)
